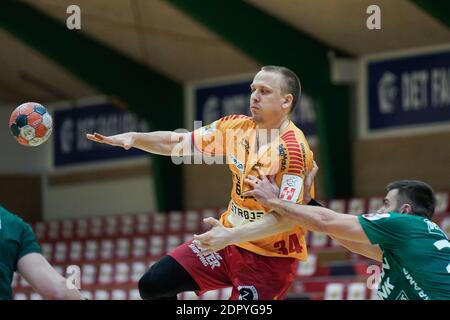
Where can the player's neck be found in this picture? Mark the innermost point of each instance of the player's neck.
(281, 124)
(265, 133)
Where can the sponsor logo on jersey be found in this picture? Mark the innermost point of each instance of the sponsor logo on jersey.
(239, 216)
(376, 216)
(402, 296)
(434, 228)
(210, 128)
(247, 293)
(284, 157)
(237, 164)
(245, 144)
(413, 283)
(291, 187)
(385, 289)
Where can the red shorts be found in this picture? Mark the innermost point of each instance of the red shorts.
(252, 276)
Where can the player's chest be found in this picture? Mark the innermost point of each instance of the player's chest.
(248, 157)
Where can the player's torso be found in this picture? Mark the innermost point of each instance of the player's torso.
(420, 268)
(244, 159)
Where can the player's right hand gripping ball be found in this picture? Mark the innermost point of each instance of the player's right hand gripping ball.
(31, 124)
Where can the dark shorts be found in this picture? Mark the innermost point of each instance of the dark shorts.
(252, 276)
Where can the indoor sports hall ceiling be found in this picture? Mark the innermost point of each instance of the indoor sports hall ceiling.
(157, 34)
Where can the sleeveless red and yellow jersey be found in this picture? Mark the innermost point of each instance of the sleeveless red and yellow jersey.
(285, 157)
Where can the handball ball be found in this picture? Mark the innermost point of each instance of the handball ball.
(31, 124)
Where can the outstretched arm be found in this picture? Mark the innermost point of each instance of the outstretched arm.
(159, 142)
(343, 226)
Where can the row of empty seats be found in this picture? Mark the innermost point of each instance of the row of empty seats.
(98, 274)
(129, 293)
(129, 271)
(113, 226)
(152, 246)
(179, 222)
(113, 252)
(332, 289)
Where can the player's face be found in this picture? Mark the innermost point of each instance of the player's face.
(392, 203)
(268, 104)
(389, 202)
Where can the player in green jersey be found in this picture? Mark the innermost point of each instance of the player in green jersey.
(414, 251)
(19, 251)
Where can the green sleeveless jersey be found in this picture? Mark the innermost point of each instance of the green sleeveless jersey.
(416, 256)
(16, 240)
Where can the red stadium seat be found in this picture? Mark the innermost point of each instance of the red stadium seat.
(159, 223)
(318, 240)
(47, 250)
(375, 203)
(68, 229)
(107, 249)
(334, 291)
(156, 246)
(106, 273)
(87, 294)
(91, 250)
(189, 295)
(138, 269)
(442, 202)
(122, 272)
(307, 268)
(88, 274)
(61, 252)
(192, 223)
(143, 224)
(40, 229)
(122, 248)
(357, 291)
(81, 228)
(445, 225)
(96, 227)
(176, 222)
(139, 247)
(172, 242)
(76, 251)
(21, 296)
(102, 294)
(111, 226)
(54, 230)
(338, 205)
(133, 294)
(127, 225)
(357, 206)
(35, 296)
